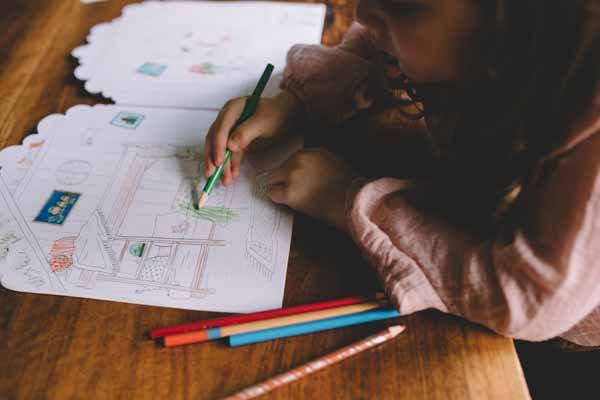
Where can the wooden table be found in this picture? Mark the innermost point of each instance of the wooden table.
(62, 348)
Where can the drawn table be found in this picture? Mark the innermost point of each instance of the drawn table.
(55, 347)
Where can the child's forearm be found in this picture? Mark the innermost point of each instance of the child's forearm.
(536, 286)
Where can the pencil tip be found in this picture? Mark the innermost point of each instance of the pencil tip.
(396, 329)
(203, 200)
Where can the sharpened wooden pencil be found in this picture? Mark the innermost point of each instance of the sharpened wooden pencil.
(317, 364)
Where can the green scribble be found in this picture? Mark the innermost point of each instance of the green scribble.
(218, 215)
(137, 249)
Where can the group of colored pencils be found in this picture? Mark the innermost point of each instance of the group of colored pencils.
(284, 322)
(290, 321)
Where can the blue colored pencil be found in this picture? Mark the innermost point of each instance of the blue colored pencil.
(310, 327)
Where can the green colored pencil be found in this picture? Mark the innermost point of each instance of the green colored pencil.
(248, 111)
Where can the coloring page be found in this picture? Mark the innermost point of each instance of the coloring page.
(193, 54)
(101, 203)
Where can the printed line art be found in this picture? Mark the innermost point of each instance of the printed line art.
(261, 242)
(170, 252)
(73, 172)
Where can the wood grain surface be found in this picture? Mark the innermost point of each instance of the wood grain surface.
(68, 348)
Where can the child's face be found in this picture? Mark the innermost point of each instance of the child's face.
(434, 41)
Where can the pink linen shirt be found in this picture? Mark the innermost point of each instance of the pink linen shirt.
(545, 283)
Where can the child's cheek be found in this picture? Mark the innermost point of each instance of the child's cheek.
(415, 65)
(423, 66)
(412, 55)
(425, 57)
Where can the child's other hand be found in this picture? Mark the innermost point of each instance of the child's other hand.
(272, 118)
(314, 182)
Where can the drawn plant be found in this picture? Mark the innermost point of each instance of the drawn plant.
(217, 215)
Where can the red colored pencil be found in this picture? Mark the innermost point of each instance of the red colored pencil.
(241, 318)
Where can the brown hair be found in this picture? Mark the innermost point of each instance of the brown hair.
(543, 61)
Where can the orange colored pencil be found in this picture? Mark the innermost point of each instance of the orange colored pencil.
(224, 331)
(318, 364)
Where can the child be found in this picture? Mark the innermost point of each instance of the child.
(504, 229)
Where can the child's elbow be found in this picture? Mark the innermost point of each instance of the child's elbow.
(547, 320)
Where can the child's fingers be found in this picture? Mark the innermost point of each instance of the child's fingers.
(226, 176)
(218, 142)
(211, 132)
(236, 162)
(278, 193)
(209, 166)
(278, 176)
(245, 134)
(222, 127)
(209, 144)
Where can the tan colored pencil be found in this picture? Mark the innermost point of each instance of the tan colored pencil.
(318, 364)
(224, 331)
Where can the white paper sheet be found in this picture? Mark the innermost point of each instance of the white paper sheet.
(193, 54)
(114, 187)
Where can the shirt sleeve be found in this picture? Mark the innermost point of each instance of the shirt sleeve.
(534, 287)
(335, 83)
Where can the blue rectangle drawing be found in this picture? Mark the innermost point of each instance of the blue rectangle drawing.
(129, 120)
(151, 69)
(58, 207)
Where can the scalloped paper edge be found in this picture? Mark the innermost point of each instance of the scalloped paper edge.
(96, 41)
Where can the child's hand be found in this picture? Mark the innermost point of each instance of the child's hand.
(272, 118)
(313, 182)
